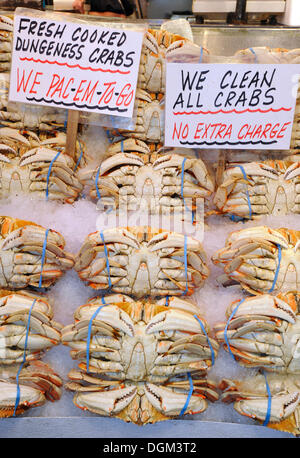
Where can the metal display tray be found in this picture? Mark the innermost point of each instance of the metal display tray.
(74, 427)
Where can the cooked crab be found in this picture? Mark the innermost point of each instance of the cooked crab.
(148, 118)
(26, 324)
(267, 55)
(6, 33)
(37, 383)
(260, 188)
(37, 119)
(30, 164)
(134, 178)
(261, 259)
(278, 408)
(138, 358)
(22, 244)
(142, 261)
(263, 331)
(159, 46)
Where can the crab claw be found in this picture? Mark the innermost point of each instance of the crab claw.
(171, 403)
(173, 319)
(105, 403)
(29, 397)
(282, 406)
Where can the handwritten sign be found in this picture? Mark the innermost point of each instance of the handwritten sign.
(75, 65)
(230, 106)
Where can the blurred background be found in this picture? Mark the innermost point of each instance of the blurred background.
(250, 12)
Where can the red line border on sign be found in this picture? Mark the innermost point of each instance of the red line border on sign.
(274, 110)
(31, 59)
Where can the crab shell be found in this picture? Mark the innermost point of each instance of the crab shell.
(148, 117)
(22, 141)
(142, 261)
(250, 398)
(19, 311)
(31, 164)
(261, 260)
(159, 46)
(37, 382)
(151, 181)
(263, 331)
(40, 119)
(140, 353)
(21, 249)
(273, 188)
(6, 33)
(267, 55)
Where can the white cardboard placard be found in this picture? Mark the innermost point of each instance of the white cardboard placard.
(230, 106)
(74, 65)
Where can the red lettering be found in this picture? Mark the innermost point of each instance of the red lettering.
(266, 129)
(240, 136)
(89, 94)
(274, 132)
(108, 93)
(220, 131)
(59, 88)
(79, 90)
(22, 82)
(228, 132)
(125, 98)
(207, 126)
(64, 95)
(283, 129)
(35, 82)
(257, 132)
(185, 131)
(54, 83)
(176, 132)
(196, 137)
(250, 132)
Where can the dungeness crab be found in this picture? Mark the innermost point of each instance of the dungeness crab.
(142, 261)
(142, 361)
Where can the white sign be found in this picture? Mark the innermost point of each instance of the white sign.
(75, 65)
(230, 106)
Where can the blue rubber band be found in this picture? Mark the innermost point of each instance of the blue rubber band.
(108, 136)
(253, 52)
(277, 269)
(107, 261)
(43, 257)
(66, 120)
(208, 341)
(236, 219)
(89, 333)
(189, 395)
(268, 414)
(49, 172)
(18, 395)
(247, 193)
(80, 157)
(226, 327)
(23, 361)
(201, 55)
(122, 146)
(167, 301)
(182, 183)
(96, 183)
(185, 265)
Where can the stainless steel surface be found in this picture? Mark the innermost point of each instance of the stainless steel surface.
(228, 6)
(226, 40)
(111, 428)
